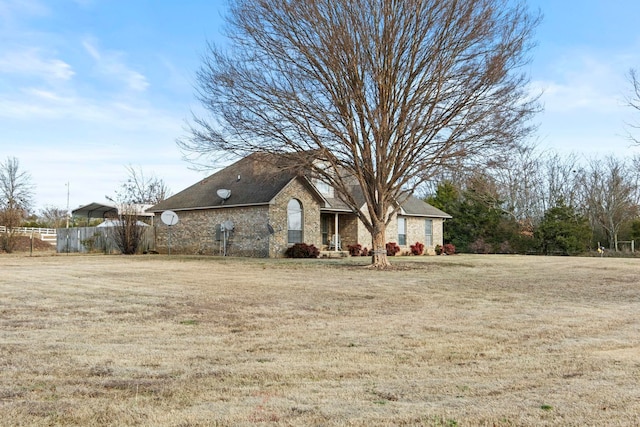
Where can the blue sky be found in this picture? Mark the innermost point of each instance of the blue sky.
(88, 87)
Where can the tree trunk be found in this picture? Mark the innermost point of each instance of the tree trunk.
(379, 256)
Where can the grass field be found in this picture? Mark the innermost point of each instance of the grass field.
(441, 341)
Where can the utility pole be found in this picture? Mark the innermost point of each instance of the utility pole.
(67, 204)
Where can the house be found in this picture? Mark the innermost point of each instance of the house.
(256, 208)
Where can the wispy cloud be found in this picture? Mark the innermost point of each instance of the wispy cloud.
(582, 82)
(112, 65)
(10, 9)
(35, 63)
(44, 104)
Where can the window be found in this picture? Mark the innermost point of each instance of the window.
(294, 221)
(428, 233)
(324, 188)
(324, 226)
(402, 231)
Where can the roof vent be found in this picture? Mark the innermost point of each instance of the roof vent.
(223, 193)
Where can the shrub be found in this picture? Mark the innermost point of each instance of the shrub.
(302, 250)
(506, 248)
(417, 248)
(355, 250)
(392, 248)
(449, 248)
(480, 246)
(94, 242)
(365, 251)
(438, 250)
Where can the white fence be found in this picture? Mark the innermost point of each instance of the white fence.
(48, 235)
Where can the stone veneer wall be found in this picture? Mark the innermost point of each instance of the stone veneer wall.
(415, 233)
(196, 233)
(311, 233)
(438, 239)
(348, 225)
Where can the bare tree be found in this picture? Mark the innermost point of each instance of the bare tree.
(136, 191)
(633, 101)
(519, 181)
(561, 178)
(128, 232)
(142, 189)
(54, 217)
(16, 192)
(611, 195)
(371, 94)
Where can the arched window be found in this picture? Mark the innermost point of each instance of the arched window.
(294, 221)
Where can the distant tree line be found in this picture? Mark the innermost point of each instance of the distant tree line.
(534, 201)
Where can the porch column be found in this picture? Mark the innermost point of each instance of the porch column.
(336, 232)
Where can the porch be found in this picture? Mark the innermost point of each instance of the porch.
(339, 230)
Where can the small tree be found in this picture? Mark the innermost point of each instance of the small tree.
(16, 192)
(141, 188)
(563, 231)
(611, 195)
(635, 230)
(54, 217)
(137, 190)
(128, 231)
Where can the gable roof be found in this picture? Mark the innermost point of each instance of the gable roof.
(253, 180)
(257, 179)
(413, 206)
(416, 207)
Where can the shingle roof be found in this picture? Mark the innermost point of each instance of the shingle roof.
(417, 207)
(256, 180)
(253, 180)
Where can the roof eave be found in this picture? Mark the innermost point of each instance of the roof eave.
(200, 208)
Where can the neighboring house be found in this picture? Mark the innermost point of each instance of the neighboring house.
(271, 208)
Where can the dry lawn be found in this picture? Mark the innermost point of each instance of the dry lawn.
(442, 341)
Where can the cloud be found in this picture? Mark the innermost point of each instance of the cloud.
(32, 62)
(10, 9)
(34, 104)
(581, 83)
(111, 64)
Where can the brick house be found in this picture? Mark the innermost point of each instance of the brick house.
(270, 208)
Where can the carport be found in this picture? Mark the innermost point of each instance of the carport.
(95, 210)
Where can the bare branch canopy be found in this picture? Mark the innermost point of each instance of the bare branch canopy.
(384, 91)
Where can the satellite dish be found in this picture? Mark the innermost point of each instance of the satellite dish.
(223, 193)
(169, 217)
(228, 225)
(270, 229)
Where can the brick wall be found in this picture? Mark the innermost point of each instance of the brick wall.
(311, 233)
(415, 233)
(196, 232)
